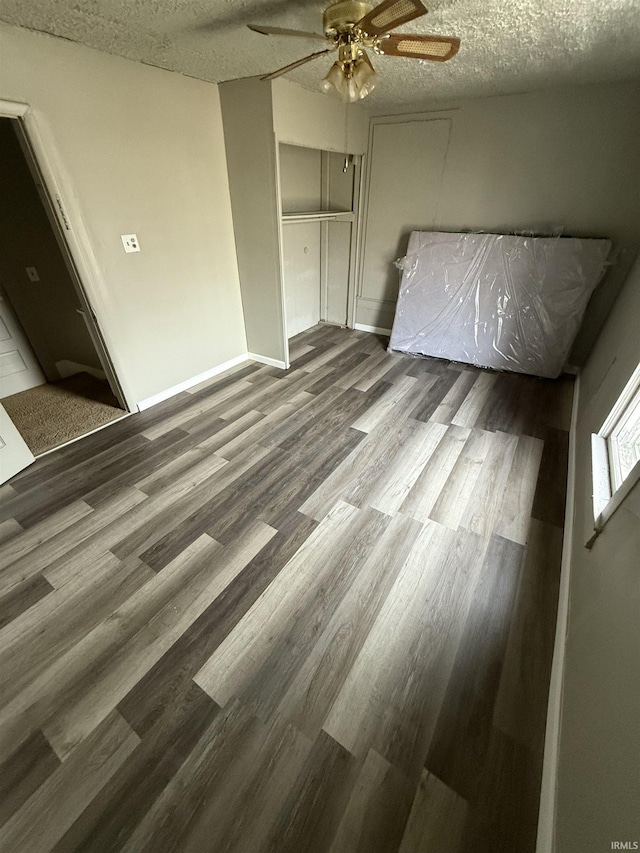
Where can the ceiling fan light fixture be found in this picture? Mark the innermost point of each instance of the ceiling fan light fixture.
(364, 76)
(351, 82)
(334, 80)
(350, 26)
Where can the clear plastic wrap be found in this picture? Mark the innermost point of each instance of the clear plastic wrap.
(492, 300)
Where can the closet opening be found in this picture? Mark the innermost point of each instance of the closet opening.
(319, 198)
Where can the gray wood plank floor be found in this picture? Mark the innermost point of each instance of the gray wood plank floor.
(302, 611)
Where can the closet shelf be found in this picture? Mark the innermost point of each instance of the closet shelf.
(319, 216)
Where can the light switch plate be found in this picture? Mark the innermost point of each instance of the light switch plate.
(32, 273)
(130, 243)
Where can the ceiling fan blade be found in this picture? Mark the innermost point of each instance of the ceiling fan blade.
(436, 48)
(390, 14)
(280, 31)
(295, 64)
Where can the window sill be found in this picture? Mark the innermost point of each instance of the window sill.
(604, 505)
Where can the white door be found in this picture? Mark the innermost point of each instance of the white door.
(19, 368)
(14, 453)
(407, 164)
(301, 275)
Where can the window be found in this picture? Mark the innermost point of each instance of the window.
(624, 443)
(616, 453)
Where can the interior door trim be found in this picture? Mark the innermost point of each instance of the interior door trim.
(72, 237)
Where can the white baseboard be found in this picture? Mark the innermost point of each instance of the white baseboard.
(263, 359)
(189, 383)
(377, 330)
(69, 368)
(547, 812)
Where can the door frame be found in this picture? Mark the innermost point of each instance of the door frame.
(280, 247)
(444, 114)
(72, 238)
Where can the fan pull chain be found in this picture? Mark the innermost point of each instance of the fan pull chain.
(345, 166)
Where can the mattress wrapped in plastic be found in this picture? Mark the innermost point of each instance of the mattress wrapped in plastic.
(492, 300)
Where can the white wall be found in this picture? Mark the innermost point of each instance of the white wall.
(251, 161)
(316, 120)
(599, 757)
(300, 179)
(139, 150)
(563, 158)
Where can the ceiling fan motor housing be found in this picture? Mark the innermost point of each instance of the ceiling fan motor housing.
(340, 17)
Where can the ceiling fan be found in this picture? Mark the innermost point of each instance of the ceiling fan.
(352, 27)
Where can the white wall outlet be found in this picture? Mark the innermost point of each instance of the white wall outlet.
(130, 242)
(32, 273)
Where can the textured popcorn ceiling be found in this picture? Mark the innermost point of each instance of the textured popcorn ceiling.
(507, 45)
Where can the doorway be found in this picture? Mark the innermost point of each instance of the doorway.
(53, 382)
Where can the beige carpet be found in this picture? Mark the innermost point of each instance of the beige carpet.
(52, 414)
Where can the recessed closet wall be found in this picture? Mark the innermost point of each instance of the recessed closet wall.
(318, 191)
(277, 187)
